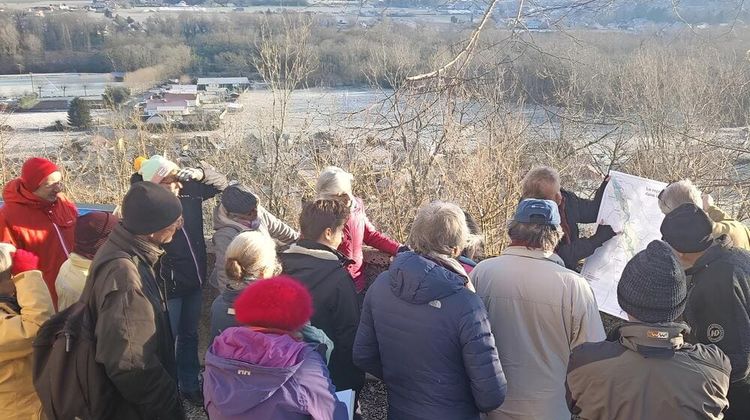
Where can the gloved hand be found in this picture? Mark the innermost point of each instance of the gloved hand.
(604, 233)
(190, 174)
(24, 261)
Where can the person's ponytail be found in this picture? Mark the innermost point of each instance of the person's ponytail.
(233, 269)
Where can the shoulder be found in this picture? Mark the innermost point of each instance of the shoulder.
(589, 353)
(116, 274)
(708, 355)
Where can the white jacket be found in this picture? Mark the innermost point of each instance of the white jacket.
(539, 311)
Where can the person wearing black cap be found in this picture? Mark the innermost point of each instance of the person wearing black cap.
(538, 310)
(718, 306)
(646, 370)
(239, 211)
(133, 337)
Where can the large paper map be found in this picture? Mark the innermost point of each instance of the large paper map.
(630, 205)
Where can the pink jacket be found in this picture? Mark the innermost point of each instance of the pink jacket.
(358, 231)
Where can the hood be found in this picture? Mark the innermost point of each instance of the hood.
(297, 264)
(62, 212)
(416, 279)
(244, 368)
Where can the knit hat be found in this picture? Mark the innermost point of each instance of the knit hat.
(687, 229)
(238, 199)
(149, 208)
(157, 168)
(6, 256)
(92, 230)
(35, 170)
(653, 287)
(279, 302)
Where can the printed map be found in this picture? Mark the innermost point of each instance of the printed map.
(630, 205)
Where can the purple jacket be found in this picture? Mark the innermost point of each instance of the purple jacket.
(266, 376)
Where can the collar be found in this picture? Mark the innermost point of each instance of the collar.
(537, 254)
(713, 253)
(650, 339)
(317, 250)
(128, 242)
(79, 261)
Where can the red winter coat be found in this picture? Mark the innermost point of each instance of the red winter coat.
(28, 222)
(359, 230)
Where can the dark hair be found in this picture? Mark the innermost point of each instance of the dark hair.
(318, 215)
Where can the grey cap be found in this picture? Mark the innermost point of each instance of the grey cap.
(237, 198)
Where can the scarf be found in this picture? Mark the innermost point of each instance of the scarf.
(451, 264)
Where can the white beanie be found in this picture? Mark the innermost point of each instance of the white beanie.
(157, 168)
(334, 181)
(6, 259)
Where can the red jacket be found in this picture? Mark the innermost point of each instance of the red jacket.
(28, 222)
(359, 230)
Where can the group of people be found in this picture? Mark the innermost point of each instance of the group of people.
(517, 336)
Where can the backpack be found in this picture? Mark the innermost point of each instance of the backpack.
(69, 381)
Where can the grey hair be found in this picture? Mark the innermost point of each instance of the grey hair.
(6, 259)
(334, 181)
(439, 227)
(537, 181)
(679, 193)
(535, 235)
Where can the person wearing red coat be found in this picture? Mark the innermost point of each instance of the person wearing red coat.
(38, 218)
(336, 184)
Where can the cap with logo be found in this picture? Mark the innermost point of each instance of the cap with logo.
(537, 211)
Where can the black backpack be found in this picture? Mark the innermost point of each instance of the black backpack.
(69, 381)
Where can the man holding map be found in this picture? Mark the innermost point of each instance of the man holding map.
(543, 183)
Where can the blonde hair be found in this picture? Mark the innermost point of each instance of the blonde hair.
(334, 181)
(250, 254)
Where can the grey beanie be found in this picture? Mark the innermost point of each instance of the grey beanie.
(237, 198)
(653, 287)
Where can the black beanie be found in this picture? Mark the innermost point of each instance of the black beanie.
(238, 199)
(149, 208)
(687, 229)
(652, 287)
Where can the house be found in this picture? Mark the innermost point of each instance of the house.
(216, 83)
(182, 89)
(191, 99)
(165, 107)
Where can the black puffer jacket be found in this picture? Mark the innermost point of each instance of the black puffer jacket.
(576, 210)
(323, 271)
(183, 268)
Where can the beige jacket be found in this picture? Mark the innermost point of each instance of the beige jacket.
(726, 225)
(18, 398)
(539, 311)
(71, 279)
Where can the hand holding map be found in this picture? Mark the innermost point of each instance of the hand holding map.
(630, 207)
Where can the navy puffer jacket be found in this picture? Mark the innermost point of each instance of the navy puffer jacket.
(429, 339)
